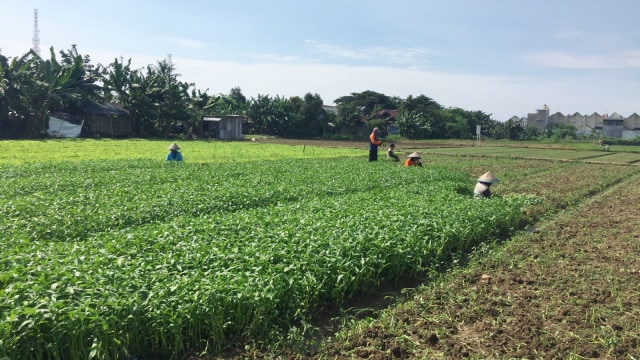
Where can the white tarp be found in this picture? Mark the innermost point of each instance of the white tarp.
(63, 128)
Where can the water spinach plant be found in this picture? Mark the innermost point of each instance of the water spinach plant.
(112, 258)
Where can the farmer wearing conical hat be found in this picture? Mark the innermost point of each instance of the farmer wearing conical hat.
(482, 189)
(413, 160)
(174, 154)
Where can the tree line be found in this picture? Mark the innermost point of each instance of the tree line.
(32, 88)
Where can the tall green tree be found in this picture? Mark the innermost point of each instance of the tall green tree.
(266, 116)
(455, 123)
(512, 129)
(420, 118)
(349, 115)
(312, 117)
(117, 82)
(239, 101)
(412, 124)
(367, 101)
(18, 83)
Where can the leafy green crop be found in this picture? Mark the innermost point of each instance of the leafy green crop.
(106, 258)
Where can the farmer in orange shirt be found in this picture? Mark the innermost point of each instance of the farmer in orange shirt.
(374, 142)
(413, 160)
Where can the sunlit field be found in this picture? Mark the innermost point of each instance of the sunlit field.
(108, 251)
(53, 150)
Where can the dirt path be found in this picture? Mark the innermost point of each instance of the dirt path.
(569, 291)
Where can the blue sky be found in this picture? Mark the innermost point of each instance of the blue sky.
(503, 57)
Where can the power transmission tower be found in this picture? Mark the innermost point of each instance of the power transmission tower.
(36, 33)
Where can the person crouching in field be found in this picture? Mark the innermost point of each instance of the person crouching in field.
(482, 189)
(413, 160)
(174, 154)
(391, 154)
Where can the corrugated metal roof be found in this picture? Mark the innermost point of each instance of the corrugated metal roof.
(104, 109)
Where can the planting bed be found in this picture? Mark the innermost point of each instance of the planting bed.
(621, 157)
(140, 258)
(213, 258)
(567, 291)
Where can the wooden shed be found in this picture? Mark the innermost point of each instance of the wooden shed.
(107, 119)
(223, 127)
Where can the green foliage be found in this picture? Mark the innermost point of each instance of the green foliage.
(512, 129)
(367, 101)
(349, 115)
(158, 102)
(131, 257)
(625, 142)
(559, 132)
(412, 124)
(380, 124)
(531, 133)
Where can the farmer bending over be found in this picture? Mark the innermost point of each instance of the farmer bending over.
(484, 183)
(413, 160)
(174, 154)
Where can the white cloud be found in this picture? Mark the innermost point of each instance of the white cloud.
(184, 42)
(622, 59)
(409, 55)
(275, 58)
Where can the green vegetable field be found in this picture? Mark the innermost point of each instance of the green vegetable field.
(108, 252)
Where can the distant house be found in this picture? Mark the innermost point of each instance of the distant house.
(222, 127)
(330, 108)
(539, 119)
(632, 122)
(107, 119)
(389, 117)
(614, 125)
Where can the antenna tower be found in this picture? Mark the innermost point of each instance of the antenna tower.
(36, 33)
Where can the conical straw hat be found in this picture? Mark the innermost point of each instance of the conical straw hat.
(488, 177)
(414, 155)
(174, 146)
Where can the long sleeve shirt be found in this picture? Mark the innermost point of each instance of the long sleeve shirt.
(374, 141)
(481, 190)
(412, 162)
(174, 156)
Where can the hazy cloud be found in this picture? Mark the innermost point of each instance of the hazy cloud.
(625, 59)
(184, 42)
(404, 56)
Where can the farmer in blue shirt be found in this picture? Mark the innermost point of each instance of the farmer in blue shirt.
(174, 154)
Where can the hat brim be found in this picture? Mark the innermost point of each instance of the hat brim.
(494, 181)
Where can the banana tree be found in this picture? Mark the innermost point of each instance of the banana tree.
(117, 82)
(64, 85)
(19, 91)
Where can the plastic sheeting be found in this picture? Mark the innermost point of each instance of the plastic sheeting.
(63, 128)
